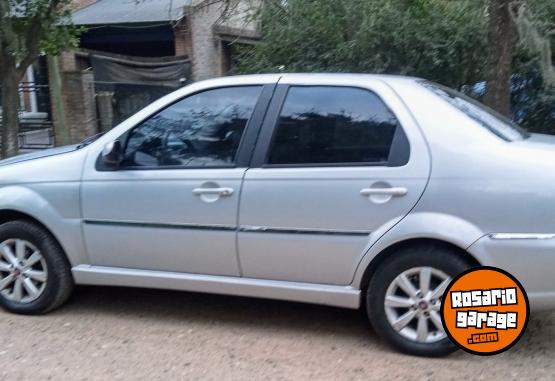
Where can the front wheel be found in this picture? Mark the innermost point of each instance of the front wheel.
(35, 276)
(404, 299)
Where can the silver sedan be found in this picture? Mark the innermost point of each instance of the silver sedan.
(354, 191)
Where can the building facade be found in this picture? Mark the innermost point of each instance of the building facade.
(139, 40)
(203, 30)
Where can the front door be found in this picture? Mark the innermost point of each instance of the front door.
(172, 203)
(334, 165)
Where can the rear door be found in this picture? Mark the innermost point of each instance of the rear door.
(337, 159)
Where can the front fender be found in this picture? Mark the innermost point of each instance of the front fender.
(56, 206)
(438, 226)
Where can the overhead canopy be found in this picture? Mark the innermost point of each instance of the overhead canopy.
(104, 12)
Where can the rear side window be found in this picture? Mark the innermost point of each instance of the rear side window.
(328, 125)
(488, 118)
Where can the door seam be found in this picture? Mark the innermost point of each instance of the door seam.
(240, 193)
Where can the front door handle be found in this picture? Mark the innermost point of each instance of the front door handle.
(393, 192)
(213, 191)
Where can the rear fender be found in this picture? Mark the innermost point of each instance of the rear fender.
(436, 226)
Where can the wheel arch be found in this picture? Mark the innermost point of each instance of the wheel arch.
(9, 215)
(390, 251)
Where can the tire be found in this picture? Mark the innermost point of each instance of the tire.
(50, 275)
(388, 281)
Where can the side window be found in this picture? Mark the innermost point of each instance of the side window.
(202, 130)
(322, 125)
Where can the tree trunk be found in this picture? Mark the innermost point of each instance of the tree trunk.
(501, 41)
(10, 111)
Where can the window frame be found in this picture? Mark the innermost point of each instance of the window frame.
(399, 153)
(244, 153)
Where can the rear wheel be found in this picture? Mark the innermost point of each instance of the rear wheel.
(35, 276)
(404, 299)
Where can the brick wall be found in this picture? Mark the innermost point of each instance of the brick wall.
(78, 101)
(206, 56)
(183, 42)
(209, 53)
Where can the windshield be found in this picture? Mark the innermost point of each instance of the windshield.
(488, 118)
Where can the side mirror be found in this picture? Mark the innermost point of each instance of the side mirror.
(112, 154)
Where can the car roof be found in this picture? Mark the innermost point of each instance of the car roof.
(384, 77)
(302, 77)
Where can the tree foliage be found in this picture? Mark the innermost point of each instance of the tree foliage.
(533, 95)
(440, 40)
(33, 26)
(28, 28)
(444, 41)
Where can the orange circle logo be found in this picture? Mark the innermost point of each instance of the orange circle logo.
(485, 310)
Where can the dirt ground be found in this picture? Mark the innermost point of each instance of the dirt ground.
(131, 334)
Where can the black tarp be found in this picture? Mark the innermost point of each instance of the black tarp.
(126, 84)
(166, 71)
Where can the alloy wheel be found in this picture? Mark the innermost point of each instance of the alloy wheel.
(413, 302)
(23, 271)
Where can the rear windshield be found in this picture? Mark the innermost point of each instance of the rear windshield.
(488, 118)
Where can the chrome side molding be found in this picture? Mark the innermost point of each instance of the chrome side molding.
(154, 225)
(513, 236)
(249, 229)
(266, 229)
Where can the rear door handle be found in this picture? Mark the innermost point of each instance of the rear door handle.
(213, 191)
(393, 192)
